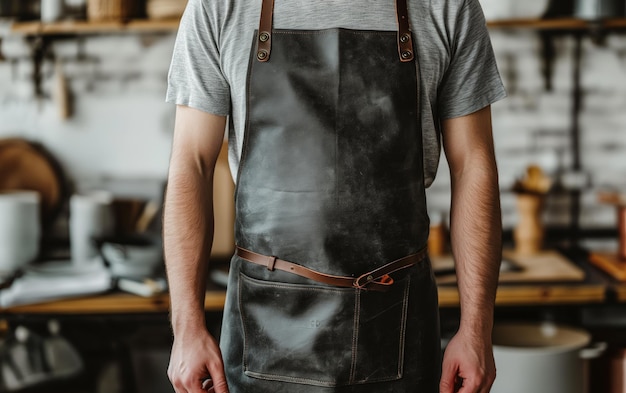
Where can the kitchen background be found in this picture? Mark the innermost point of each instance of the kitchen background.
(121, 128)
(117, 128)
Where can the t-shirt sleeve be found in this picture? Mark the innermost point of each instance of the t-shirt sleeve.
(472, 80)
(195, 76)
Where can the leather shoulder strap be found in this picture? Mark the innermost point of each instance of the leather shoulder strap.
(405, 41)
(264, 38)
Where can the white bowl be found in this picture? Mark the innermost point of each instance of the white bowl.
(529, 9)
(508, 9)
(496, 9)
(132, 258)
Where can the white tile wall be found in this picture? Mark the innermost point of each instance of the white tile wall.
(122, 127)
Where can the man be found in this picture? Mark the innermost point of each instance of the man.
(337, 111)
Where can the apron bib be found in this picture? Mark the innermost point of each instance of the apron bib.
(331, 182)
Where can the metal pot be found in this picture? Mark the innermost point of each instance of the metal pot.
(542, 358)
(598, 9)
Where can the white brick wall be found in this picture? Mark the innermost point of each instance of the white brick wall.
(122, 127)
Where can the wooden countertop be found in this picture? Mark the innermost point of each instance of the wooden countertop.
(507, 295)
(534, 294)
(595, 289)
(548, 277)
(113, 303)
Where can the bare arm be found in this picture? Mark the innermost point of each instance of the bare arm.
(476, 233)
(187, 236)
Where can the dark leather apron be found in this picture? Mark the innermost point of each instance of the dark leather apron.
(330, 191)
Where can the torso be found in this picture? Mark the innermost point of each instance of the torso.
(432, 23)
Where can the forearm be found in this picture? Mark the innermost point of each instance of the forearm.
(475, 220)
(188, 215)
(188, 233)
(476, 233)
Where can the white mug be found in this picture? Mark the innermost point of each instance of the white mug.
(51, 10)
(91, 216)
(20, 229)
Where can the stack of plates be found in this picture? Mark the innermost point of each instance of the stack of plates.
(165, 9)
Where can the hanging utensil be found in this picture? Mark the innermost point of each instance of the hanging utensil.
(62, 93)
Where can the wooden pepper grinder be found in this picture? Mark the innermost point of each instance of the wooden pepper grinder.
(619, 201)
(531, 191)
(529, 232)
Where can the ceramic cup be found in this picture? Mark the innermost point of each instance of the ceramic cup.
(91, 217)
(20, 229)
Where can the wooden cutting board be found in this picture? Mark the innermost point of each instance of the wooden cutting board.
(28, 166)
(610, 263)
(545, 266)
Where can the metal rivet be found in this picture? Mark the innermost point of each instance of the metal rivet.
(370, 277)
(404, 38)
(407, 54)
(261, 55)
(264, 37)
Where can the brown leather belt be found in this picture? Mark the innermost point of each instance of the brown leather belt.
(376, 280)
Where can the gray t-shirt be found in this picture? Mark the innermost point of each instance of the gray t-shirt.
(458, 73)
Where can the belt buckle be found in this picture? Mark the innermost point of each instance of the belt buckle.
(368, 278)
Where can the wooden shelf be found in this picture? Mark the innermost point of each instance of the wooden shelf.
(559, 24)
(104, 27)
(151, 26)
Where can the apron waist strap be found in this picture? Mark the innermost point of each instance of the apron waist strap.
(376, 280)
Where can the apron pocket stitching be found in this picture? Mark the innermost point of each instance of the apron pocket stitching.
(355, 335)
(401, 343)
(403, 327)
(284, 378)
(243, 324)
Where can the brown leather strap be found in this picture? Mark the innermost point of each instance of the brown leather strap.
(264, 38)
(405, 41)
(376, 280)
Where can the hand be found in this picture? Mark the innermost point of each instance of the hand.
(468, 365)
(196, 364)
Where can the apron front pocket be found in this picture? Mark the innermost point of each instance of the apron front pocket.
(323, 336)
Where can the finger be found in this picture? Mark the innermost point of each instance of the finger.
(216, 370)
(179, 388)
(178, 385)
(458, 384)
(448, 380)
(478, 381)
(470, 385)
(219, 385)
(447, 386)
(486, 387)
(195, 385)
(207, 384)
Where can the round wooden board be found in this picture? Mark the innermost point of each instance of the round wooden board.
(28, 166)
